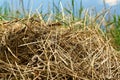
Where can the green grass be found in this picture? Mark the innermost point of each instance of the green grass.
(4, 11)
(115, 32)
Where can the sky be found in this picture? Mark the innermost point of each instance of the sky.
(109, 2)
(46, 4)
(112, 2)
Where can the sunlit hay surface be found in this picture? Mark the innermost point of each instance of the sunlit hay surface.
(35, 51)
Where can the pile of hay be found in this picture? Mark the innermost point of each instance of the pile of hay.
(33, 51)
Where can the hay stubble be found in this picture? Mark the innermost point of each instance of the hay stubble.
(56, 53)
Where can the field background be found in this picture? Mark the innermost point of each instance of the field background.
(59, 40)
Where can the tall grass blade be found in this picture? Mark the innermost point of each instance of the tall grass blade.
(80, 10)
(63, 15)
(73, 9)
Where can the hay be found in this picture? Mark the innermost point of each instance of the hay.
(33, 51)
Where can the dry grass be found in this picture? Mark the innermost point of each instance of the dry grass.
(35, 51)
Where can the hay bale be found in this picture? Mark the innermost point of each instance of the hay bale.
(41, 52)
